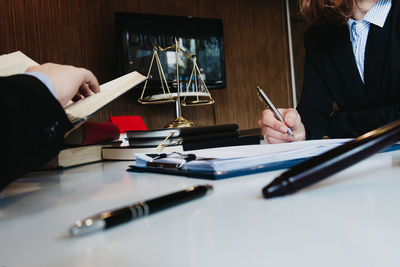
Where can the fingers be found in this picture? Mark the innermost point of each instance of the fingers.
(84, 90)
(272, 136)
(90, 82)
(89, 85)
(268, 118)
(77, 97)
(275, 131)
(291, 118)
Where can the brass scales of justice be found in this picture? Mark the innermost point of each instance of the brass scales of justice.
(200, 96)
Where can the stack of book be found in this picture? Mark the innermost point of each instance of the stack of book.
(191, 138)
(178, 140)
(94, 142)
(85, 144)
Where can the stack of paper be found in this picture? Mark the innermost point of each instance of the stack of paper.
(230, 161)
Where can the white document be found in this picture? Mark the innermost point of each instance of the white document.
(226, 159)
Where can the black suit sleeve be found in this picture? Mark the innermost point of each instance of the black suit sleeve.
(316, 101)
(33, 126)
(353, 123)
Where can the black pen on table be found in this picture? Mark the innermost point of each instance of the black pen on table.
(268, 103)
(118, 216)
(322, 166)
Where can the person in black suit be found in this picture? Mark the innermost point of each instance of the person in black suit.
(34, 122)
(352, 72)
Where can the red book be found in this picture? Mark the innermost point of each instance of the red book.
(128, 123)
(93, 133)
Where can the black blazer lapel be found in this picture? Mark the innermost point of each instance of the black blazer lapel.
(345, 64)
(376, 56)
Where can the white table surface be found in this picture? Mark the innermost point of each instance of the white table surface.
(350, 219)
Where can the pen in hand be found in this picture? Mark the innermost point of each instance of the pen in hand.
(118, 216)
(268, 103)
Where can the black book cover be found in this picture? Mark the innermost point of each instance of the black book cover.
(234, 141)
(181, 132)
(153, 142)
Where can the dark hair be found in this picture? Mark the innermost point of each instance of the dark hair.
(326, 11)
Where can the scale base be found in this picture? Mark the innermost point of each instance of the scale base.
(180, 122)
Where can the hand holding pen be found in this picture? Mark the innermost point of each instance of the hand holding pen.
(279, 126)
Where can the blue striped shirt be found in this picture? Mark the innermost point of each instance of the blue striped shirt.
(359, 30)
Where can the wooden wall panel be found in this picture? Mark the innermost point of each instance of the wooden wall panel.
(256, 55)
(56, 31)
(81, 32)
(299, 27)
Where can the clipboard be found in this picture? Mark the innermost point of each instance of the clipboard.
(178, 166)
(214, 175)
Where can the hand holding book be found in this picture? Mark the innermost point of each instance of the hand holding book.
(69, 82)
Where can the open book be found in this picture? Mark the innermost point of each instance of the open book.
(17, 63)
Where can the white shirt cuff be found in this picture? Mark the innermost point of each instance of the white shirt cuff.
(44, 79)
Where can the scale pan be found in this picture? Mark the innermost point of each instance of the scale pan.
(197, 102)
(155, 100)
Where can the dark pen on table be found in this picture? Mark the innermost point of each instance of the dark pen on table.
(322, 166)
(121, 215)
(268, 103)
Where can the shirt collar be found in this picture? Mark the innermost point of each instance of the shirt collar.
(378, 13)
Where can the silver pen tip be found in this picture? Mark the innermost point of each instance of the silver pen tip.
(87, 226)
(74, 230)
